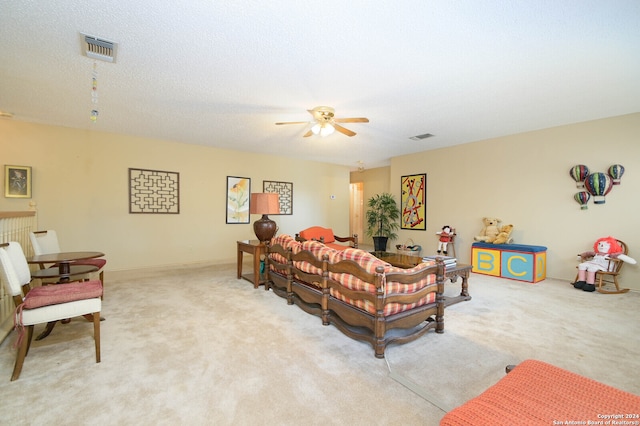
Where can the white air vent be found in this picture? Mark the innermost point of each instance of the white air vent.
(420, 137)
(97, 48)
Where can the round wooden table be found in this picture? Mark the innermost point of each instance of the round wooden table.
(64, 260)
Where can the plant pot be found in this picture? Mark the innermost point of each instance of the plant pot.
(380, 243)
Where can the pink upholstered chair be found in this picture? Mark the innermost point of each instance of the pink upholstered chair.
(46, 242)
(45, 304)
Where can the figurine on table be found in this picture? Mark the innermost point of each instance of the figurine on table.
(446, 236)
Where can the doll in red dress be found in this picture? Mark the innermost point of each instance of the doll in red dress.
(446, 235)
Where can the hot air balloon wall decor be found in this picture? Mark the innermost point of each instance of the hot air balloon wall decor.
(599, 185)
(579, 173)
(616, 171)
(582, 198)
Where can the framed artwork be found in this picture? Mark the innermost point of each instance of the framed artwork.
(413, 209)
(285, 192)
(238, 199)
(17, 181)
(154, 191)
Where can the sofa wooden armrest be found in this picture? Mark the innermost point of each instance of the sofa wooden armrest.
(352, 239)
(327, 237)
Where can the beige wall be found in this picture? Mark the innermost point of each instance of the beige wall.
(524, 179)
(80, 185)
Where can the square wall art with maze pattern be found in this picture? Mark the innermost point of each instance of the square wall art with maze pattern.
(285, 192)
(154, 191)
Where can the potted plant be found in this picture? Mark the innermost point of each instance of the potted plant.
(382, 220)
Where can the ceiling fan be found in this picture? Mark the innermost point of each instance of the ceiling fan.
(325, 122)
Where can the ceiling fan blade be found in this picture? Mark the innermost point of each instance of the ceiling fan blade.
(351, 120)
(343, 130)
(315, 114)
(292, 122)
(306, 135)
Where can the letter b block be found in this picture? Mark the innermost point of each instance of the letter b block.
(486, 261)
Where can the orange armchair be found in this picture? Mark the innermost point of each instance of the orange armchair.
(327, 237)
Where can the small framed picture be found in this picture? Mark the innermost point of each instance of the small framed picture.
(17, 181)
(238, 199)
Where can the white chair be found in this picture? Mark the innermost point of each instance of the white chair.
(46, 304)
(46, 242)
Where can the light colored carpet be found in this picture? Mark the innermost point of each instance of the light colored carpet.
(197, 346)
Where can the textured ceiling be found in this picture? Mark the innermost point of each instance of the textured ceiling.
(221, 73)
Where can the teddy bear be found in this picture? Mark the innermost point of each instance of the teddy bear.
(504, 237)
(490, 230)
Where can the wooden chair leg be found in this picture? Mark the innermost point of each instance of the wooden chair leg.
(102, 281)
(29, 337)
(618, 290)
(22, 353)
(96, 334)
(599, 283)
(615, 281)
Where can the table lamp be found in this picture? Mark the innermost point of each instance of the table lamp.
(264, 204)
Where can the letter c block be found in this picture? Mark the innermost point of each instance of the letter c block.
(517, 266)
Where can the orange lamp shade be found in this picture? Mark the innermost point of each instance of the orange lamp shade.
(264, 203)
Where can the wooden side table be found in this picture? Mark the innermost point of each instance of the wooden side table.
(256, 248)
(460, 270)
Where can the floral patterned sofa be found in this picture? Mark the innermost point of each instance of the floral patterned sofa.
(364, 297)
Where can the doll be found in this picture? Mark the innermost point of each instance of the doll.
(446, 235)
(604, 249)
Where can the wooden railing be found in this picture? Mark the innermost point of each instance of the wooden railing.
(14, 226)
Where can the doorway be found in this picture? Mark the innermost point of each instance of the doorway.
(356, 210)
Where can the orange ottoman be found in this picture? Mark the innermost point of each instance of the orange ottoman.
(537, 393)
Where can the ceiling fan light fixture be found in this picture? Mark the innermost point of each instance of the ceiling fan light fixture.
(327, 129)
(323, 129)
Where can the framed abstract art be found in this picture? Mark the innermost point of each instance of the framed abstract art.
(413, 208)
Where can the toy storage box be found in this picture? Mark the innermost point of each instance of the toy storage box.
(514, 261)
